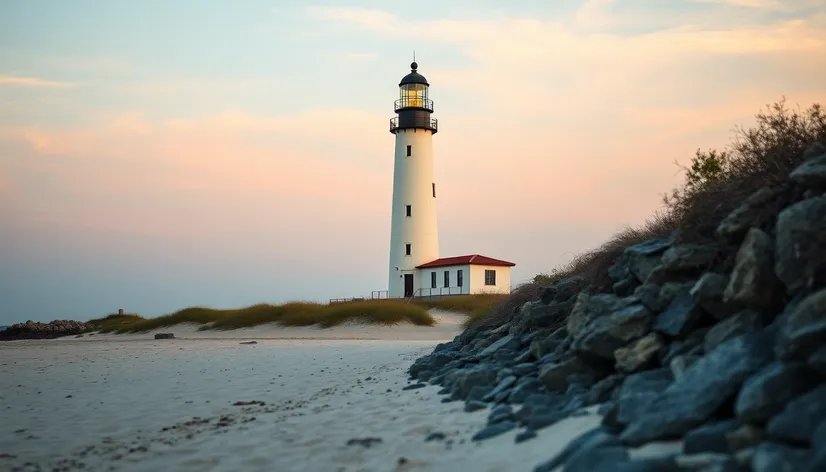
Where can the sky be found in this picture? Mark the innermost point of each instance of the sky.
(162, 154)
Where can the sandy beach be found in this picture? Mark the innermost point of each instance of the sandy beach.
(298, 399)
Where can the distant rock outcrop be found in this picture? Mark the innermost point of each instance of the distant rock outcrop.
(721, 344)
(50, 330)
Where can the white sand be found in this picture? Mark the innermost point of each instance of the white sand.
(318, 394)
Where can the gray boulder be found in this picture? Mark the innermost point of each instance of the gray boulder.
(746, 321)
(803, 329)
(775, 457)
(753, 283)
(708, 293)
(751, 213)
(681, 316)
(688, 257)
(767, 392)
(800, 245)
(812, 173)
(638, 354)
(800, 418)
(703, 388)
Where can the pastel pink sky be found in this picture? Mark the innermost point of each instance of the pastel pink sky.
(243, 156)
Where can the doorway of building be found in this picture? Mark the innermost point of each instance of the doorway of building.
(408, 285)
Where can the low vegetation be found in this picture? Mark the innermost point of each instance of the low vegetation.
(386, 312)
(715, 181)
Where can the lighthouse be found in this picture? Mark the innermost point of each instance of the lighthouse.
(414, 236)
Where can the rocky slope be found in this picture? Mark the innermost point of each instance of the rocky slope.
(720, 345)
(37, 330)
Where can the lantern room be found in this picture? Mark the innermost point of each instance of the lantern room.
(413, 91)
(413, 106)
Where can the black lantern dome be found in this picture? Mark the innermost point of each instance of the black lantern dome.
(413, 77)
(413, 106)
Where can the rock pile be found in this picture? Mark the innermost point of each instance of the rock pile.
(37, 330)
(721, 345)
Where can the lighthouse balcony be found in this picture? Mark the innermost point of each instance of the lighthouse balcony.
(414, 122)
(414, 102)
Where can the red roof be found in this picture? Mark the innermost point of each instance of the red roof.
(474, 259)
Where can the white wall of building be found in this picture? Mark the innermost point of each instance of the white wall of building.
(477, 279)
(413, 180)
(473, 280)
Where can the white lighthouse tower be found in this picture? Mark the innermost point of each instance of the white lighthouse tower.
(414, 236)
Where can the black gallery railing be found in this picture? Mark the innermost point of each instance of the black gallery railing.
(414, 102)
(423, 123)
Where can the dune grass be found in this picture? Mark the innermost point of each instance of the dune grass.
(383, 312)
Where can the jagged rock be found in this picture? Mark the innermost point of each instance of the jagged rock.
(463, 380)
(745, 436)
(774, 457)
(812, 173)
(493, 430)
(681, 315)
(746, 321)
(500, 413)
(670, 290)
(750, 213)
(507, 341)
(688, 257)
(502, 386)
(799, 419)
(603, 390)
(701, 390)
(710, 437)
(539, 348)
(708, 293)
(753, 283)
(535, 315)
(50, 330)
(803, 329)
(800, 245)
(644, 257)
(638, 354)
(649, 296)
(582, 445)
(701, 461)
(767, 392)
(432, 362)
(602, 335)
(638, 390)
(475, 405)
(524, 388)
(588, 307)
(478, 393)
(555, 376)
(164, 336)
(692, 345)
(679, 364)
(562, 290)
(626, 286)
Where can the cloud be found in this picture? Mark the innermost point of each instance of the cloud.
(760, 4)
(11, 80)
